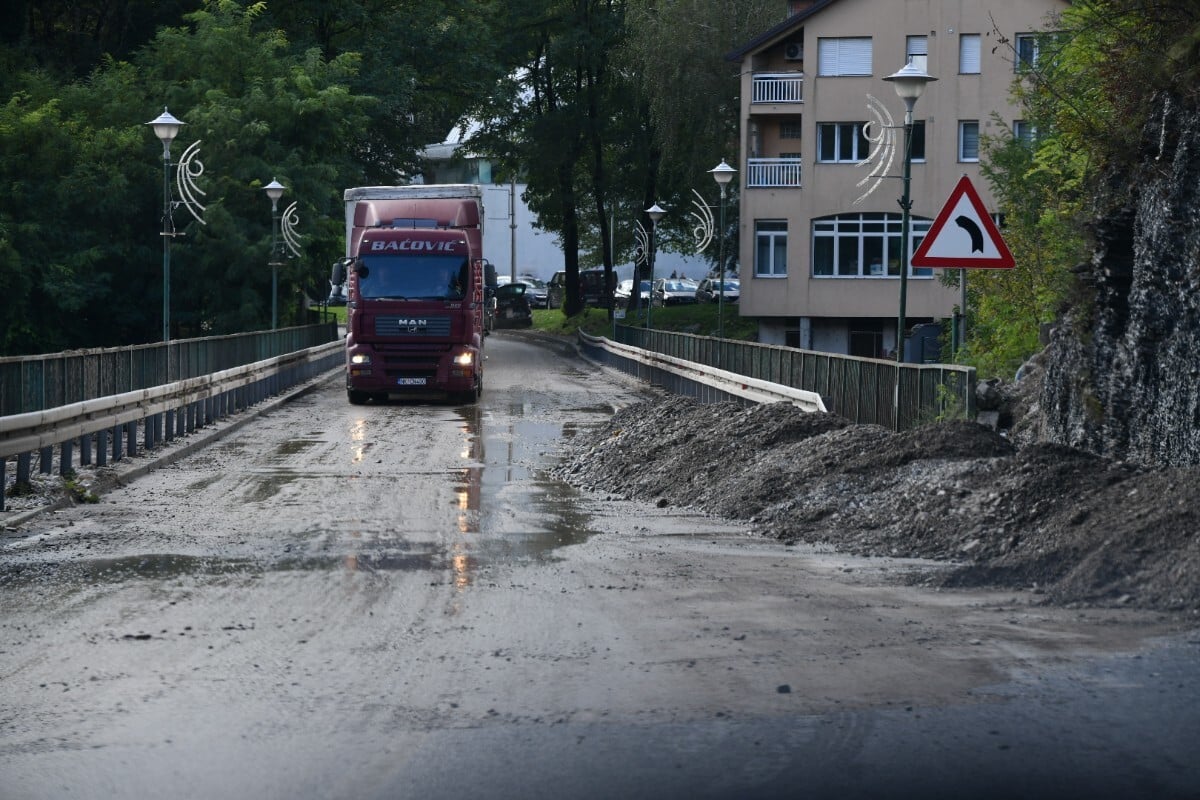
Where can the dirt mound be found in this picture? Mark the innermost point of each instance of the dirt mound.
(1076, 527)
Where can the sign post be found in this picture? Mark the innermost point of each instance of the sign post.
(972, 242)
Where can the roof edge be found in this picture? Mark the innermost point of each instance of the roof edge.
(770, 35)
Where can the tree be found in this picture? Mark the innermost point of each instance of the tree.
(79, 243)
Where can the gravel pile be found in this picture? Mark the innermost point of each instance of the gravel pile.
(1075, 527)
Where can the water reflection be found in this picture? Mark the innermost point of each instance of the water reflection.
(358, 440)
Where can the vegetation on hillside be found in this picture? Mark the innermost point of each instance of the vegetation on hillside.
(1087, 98)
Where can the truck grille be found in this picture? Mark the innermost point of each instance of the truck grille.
(414, 325)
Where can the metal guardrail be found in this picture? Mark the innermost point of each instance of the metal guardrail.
(860, 389)
(697, 380)
(99, 426)
(33, 383)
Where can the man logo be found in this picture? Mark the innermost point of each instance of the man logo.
(413, 325)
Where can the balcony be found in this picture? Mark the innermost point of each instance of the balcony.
(764, 172)
(785, 87)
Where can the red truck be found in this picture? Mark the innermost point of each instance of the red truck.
(416, 292)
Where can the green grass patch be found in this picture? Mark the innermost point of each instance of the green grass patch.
(700, 319)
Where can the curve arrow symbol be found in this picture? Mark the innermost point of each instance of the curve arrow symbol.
(968, 225)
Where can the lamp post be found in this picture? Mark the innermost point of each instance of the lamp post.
(655, 212)
(166, 128)
(274, 190)
(909, 83)
(722, 173)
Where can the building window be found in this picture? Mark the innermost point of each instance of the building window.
(969, 54)
(866, 245)
(917, 146)
(1027, 51)
(841, 142)
(968, 140)
(1024, 132)
(839, 57)
(789, 130)
(770, 249)
(917, 52)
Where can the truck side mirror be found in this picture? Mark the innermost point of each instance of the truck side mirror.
(337, 275)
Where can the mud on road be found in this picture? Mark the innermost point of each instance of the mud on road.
(1071, 527)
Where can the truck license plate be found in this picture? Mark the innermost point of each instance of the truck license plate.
(410, 381)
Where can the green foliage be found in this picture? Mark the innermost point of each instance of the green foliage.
(80, 250)
(1040, 189)
(1088, 97)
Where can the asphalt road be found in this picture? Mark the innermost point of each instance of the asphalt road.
(395, 601)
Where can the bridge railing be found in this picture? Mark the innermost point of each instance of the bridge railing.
(861, 389)
(34, 383)
(118, 403)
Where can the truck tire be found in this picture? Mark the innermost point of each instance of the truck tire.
(471, 396)
(357, 398)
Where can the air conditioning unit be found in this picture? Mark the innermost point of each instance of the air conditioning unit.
(794, 52)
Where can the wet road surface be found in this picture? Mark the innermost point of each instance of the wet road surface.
(395, 601)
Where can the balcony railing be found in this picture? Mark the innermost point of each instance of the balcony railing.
(781, 88)
(773, 172)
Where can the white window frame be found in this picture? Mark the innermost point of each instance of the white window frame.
(844, 56)
(839, 131)
(776, 239)
(916, 51)
(850, 232)
(1021, 42)
(965, 126)
(970, 54)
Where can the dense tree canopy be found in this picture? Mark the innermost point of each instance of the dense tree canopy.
(319, 105)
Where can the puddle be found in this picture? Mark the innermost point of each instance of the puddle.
(294, 446)
(265, 487)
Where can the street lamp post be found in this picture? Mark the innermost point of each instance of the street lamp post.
(909, 83)
(166, 128)
(722, 173)
(274, 190)
(655, 213)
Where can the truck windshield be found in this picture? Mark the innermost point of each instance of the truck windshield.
(425, 277)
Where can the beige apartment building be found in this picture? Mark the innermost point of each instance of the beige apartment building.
(820, 236)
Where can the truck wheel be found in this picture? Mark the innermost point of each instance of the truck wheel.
(470, 396)
(356, 398)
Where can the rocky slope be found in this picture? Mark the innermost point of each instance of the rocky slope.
(1122, 372)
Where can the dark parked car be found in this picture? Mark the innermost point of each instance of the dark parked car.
(538, 293)
(709, 290)
(512, 306)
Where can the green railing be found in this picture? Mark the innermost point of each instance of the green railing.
(36, 383)
(860, 389)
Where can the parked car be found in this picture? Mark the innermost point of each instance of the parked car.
(592, 290)
(556, 289)
(512, 306)
(674, 291)
(709, 290)
(625, 291)
(537, 293)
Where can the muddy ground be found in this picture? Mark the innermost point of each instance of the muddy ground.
(1075, 528)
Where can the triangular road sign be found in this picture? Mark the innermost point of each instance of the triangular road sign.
(972, 242)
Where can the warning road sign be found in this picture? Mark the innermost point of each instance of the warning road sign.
(972, 242)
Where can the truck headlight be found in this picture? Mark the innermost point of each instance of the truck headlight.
(464, 359)
(360, 358)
